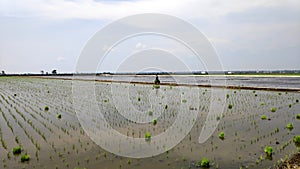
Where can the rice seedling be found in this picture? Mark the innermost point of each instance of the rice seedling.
(263, 117)
(25, 157)
(8, 154)
(290, 126)
(17, 150)
(268, 150)
(58, 116)
(17, 139)
(230, 106)
(222, 135)
(297, 139)
(147, 136)
(155, 86)
(273, 109)
(46, 108)
(298, 116)
(204, 162)
(154, 121)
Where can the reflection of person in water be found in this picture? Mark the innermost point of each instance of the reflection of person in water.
(156, 81)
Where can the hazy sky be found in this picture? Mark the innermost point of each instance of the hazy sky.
(50, 34)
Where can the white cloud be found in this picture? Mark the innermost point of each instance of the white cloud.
(218, 40)
(238, 29)
(61, 59)
(89, 9)
(140, 46)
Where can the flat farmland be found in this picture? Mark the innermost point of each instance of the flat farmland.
(37, 115)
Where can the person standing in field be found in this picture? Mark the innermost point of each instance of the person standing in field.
(156, 81)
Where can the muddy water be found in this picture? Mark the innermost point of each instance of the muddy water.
(68, 146)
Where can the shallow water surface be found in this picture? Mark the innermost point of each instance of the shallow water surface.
(62, 143)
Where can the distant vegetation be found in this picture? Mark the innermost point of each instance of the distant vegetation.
(260, 72)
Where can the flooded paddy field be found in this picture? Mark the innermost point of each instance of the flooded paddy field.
(262, 81)
(39, 115)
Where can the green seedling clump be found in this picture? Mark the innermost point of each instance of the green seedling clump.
(25, 157)
(154, 121)
(263, 117)
(46, 108)
(222, 135)
(156, 86)
(290, 126)
(147, 136)
(298, 116)
(150, 113)
(58, 116)
(230, 106)
(204, 162)
(297, 139)
(268, 150)
(17, 150)
(262, 103)
(273, 109)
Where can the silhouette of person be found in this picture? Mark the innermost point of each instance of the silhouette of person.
(156, 81)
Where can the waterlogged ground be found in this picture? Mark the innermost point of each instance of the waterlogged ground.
(54, 142)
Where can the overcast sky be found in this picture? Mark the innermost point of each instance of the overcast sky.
(50, 34)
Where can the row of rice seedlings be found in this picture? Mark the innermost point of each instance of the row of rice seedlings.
(255, 125)
(2, 140)
(35, 143)
(43, 123)
(28, 121)
(7, 121)
(31, 114)
(64, 130)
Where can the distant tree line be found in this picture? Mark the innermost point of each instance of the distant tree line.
(53, 72)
